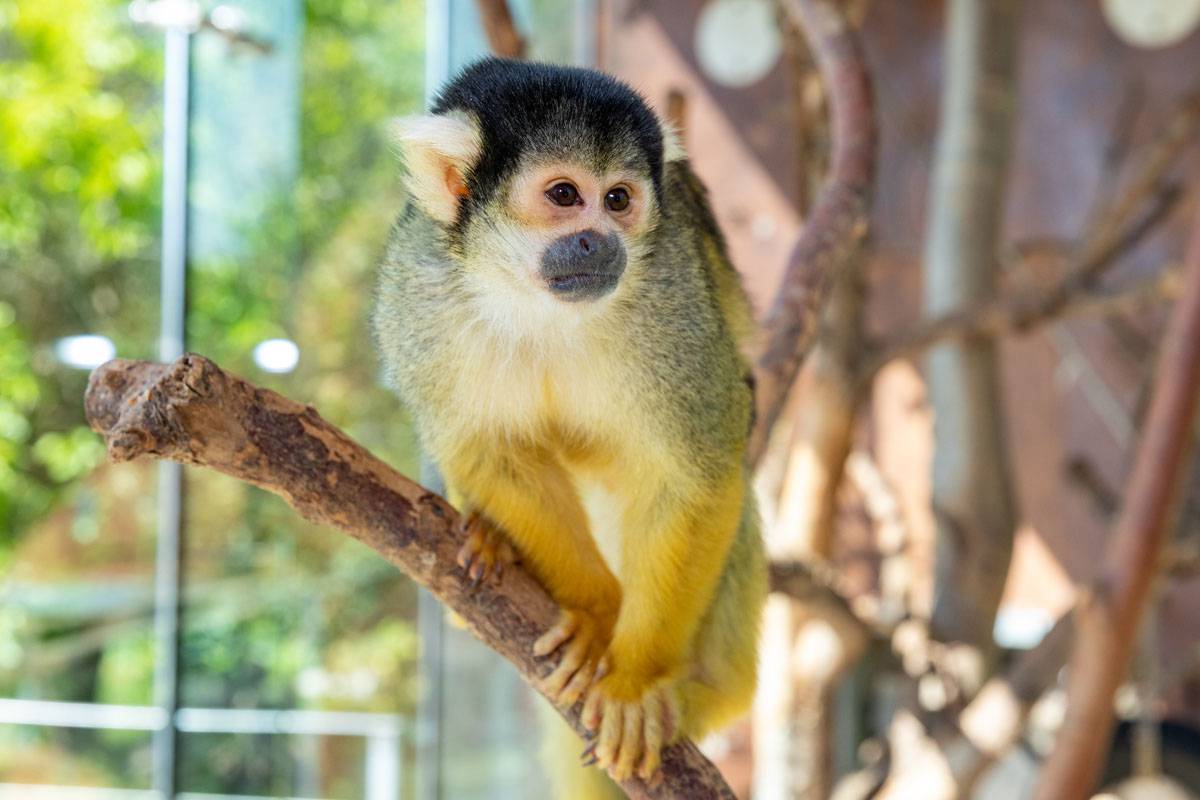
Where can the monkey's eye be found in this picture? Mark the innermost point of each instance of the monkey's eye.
(563, 194)
(617, 199)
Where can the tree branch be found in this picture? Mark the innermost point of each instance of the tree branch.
(972, 492)
(983, 731)
(502, 35)
(1109, 612)
(1109, 236)
(838, 225)
(815, 585)
(1024, 310)
(193, 412)
(794, 732)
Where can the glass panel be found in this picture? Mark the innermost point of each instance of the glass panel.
(79, 216)
(292, 191)
(489, 737)
(293, 186)
(74, 757)
(265, 765)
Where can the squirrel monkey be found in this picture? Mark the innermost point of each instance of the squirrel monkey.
(558, 312)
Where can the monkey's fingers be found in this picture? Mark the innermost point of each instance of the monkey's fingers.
(588, 757)
(485, 551)
(575, 658)
(590, 716)
(659, 729)
(612, 729)
(563, 630)
(579, 684)
(630, 751)
(631, 734)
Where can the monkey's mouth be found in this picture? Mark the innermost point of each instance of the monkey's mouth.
(584, 265)
(583, 285)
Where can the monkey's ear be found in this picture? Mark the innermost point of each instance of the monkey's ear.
(438, 150)
(673, 149)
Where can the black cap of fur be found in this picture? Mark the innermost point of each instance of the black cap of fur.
(525, 108)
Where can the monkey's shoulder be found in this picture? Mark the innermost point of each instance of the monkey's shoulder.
(691, 227)
(687, 195)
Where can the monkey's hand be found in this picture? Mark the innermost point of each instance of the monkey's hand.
(486, 552)
(580, 638)
(630, 726)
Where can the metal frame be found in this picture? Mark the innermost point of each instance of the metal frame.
(172, 336)
(430, 615)
(383, 734)
(179, 20)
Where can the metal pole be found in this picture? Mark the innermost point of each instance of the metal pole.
(171, 342)
(430, 615)
(431, 624)
(382, 769)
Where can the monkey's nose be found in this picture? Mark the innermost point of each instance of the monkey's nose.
(583, 265)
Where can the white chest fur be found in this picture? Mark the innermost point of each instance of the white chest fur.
(605, 512)
(519, 376)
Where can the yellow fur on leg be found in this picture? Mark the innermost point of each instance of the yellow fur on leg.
(561, 747)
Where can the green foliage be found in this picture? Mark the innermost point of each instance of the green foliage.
(269, 598)
(79, 170)
(22, 495)
(126, 674)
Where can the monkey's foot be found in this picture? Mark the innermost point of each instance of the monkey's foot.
(485, 552)
(580, 642)
(630, 735)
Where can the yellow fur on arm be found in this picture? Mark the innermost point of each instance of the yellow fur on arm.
(672, 565)
(531, 499)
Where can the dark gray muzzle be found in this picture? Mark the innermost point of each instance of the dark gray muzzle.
(583, 265)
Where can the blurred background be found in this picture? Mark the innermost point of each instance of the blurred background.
(216, 176)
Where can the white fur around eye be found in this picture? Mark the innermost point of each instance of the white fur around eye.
(433, 147)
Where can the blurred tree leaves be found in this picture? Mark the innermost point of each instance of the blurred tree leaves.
(277, 612)
(79, 170)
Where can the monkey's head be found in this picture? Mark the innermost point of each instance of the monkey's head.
(547, 180)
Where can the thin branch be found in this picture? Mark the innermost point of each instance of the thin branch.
(1109, 612)
(502, 35)
(1158, 157)
(193, 412)
(798, 729)
(1115, 154)
(816, 586)
(1166, 283)
(954, 752)
(883, 506)
(995, 718)
(838, 226)
(1109, 235)
(1022, 311)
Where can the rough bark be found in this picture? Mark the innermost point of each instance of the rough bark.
(972, 495)
(837, 228)
(194, 413)
(1110, 611)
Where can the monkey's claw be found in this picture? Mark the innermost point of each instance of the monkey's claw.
(631, 734)
(580, 644)
(486, 551)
